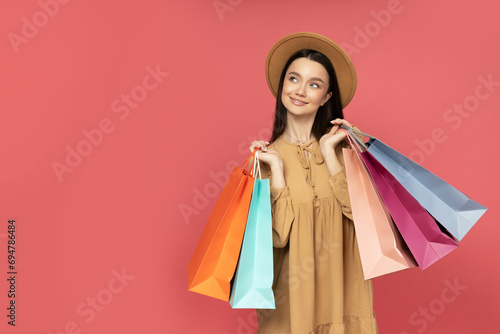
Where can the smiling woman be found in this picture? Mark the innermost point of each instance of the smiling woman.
(318, 280)
(305, 87)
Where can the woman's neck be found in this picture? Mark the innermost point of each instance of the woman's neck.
(299, 128)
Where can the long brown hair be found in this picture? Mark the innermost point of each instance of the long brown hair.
(331, 110)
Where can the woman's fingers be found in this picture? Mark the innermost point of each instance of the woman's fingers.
(335, 136)
(340, 121)
(334, 129)
(259, 144)
(272, 158)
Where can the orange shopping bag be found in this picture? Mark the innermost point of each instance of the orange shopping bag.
(215, 258)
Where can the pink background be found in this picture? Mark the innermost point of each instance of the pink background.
(117, 209)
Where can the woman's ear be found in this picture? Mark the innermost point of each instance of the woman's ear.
(326, 98)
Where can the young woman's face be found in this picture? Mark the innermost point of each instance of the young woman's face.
(305, 87)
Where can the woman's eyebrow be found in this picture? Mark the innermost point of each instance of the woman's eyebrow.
(314, 78)
(317, 79)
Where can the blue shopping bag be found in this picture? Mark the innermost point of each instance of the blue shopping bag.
(450, 207)
(253, 280)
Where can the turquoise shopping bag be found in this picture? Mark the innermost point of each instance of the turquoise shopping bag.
(252, 285)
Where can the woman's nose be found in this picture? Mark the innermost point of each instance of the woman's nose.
(301, 90)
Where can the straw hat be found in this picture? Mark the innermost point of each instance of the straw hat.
(288, 45)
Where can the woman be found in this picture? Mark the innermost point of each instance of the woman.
(318, 281)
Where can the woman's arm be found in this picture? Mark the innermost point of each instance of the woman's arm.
(281, 207)
(332, 153)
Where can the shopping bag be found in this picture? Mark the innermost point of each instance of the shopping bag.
(450, 207)
(253, 280)
(426, 241)
(214, 261)
(380, 245)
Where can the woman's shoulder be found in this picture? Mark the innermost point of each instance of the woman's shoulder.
(276, 143)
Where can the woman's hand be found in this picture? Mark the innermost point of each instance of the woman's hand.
(331, 139)
(270, 157)
(273, 159)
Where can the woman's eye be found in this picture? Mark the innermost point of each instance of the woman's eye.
(294, 79)
(315, 85)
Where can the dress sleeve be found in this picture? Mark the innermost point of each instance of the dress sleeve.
(338, 183)
(282, 212)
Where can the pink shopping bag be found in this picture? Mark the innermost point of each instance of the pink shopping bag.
(381, 247)
(420, 231)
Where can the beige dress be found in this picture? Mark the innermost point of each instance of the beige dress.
(318, 279)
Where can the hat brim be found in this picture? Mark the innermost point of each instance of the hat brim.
(288, 45)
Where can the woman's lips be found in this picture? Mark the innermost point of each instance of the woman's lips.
(297, 102)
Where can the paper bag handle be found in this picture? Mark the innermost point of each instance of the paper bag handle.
(247, 161)
(256, 164)
(354, 144)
